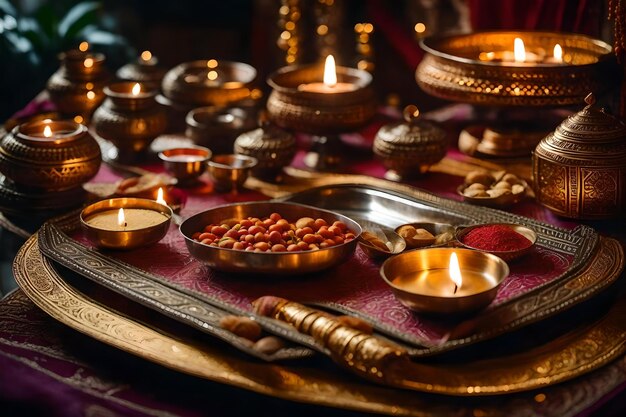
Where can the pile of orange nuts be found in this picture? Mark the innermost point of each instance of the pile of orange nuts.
(274, 234)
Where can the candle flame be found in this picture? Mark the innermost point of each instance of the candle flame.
(136, 89)
(519, 51)
(160, 198)
(330, 74)
(83, 46)
(558, 53)
(88, 62)
(146, 55)
(212, 75)
(121, 219)
(455, 272)
(47, 132)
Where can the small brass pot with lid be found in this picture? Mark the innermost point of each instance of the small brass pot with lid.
(579, 171)
(272, 147)
(409, 148)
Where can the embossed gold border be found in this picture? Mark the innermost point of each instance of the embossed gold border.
(563, 358)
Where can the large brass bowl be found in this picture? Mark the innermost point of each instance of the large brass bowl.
(320, 113)
(266, 263)
(451, 69)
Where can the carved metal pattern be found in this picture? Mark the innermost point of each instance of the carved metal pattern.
(560, 360)
(154, 292)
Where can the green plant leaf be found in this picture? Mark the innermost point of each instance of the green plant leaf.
(101, 37)
(78, 18)
(7, 8)
(48, 21)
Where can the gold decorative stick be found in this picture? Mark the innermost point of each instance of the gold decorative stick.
(369, 356)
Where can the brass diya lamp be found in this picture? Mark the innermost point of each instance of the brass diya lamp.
(125, 223)
(579, 170)
(145, 69)
(186, 164)
(510, 72)
(45, 163)
(230, 171)
(323, 101)
(76, 88)
(272, 147)
(207, 83)
(444, 281)
(409, 148)
(49, 155)
(130, 119)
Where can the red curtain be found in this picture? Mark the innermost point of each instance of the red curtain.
(577, 16)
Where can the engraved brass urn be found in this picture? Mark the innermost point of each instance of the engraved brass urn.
(272, 147)
(49, 156)
(77, 87)
(408, 149)
(580, 170)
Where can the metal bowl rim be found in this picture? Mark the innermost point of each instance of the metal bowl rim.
(463, 231)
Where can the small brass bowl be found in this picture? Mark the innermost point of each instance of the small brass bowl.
(218, 127)
(230, 171)
(186, 164)
(420, 281)
(505, 255)
(435, 229)
(387, 235)
(266, 263)
(504, 200)
(125, 239)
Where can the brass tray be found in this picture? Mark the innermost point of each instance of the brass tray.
(565, 357)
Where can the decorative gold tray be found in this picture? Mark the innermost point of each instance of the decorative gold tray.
(565, 357)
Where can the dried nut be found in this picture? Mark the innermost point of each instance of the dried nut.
(475, 193)
(502, 185)
(477, 186)
(442, 238)
(480, 176)
(241, 326)
(511, 179)
(517, 189)
(498, 175)
(374, 240)
(142, 184)
(269, 345)
(305, 222)
(423, 234)
(421, 239)
(356, 324)
(406, 231)
(498, 192)
(230, 222)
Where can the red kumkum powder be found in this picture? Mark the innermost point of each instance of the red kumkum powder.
(496, 238)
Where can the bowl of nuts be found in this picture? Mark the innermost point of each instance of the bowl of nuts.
(422, 235)
(493, 189)
(270, 238)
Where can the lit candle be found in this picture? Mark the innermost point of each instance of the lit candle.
(136, 89)
(519, 55)
(47, 132)
(330, 84)
(160, 198)
(557, 55)
(126, 220)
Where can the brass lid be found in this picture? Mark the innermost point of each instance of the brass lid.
(266, 137)
(589, 134)
(411, 135)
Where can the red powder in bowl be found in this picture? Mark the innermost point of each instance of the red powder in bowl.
(496, 238)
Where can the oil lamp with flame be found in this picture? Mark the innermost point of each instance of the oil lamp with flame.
(322, 100)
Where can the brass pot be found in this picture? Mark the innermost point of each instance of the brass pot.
(130, 121)
(272, 147)
(69, 157)
(315, 112)
(76, 88)
(409, 148)
(579, 171)
(145, 69)
(218, 127)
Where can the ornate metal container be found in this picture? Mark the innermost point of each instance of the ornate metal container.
(454, 68)
(218, 127)
(409, 148)
(316, 112)
(273, 148)
(130, 121)
(145, 69)
(77, 86)
(66, 159)
(207, 83)
(580, 169)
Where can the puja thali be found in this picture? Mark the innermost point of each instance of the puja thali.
(583, 264)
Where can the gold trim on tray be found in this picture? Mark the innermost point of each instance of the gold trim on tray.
(565, 357)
